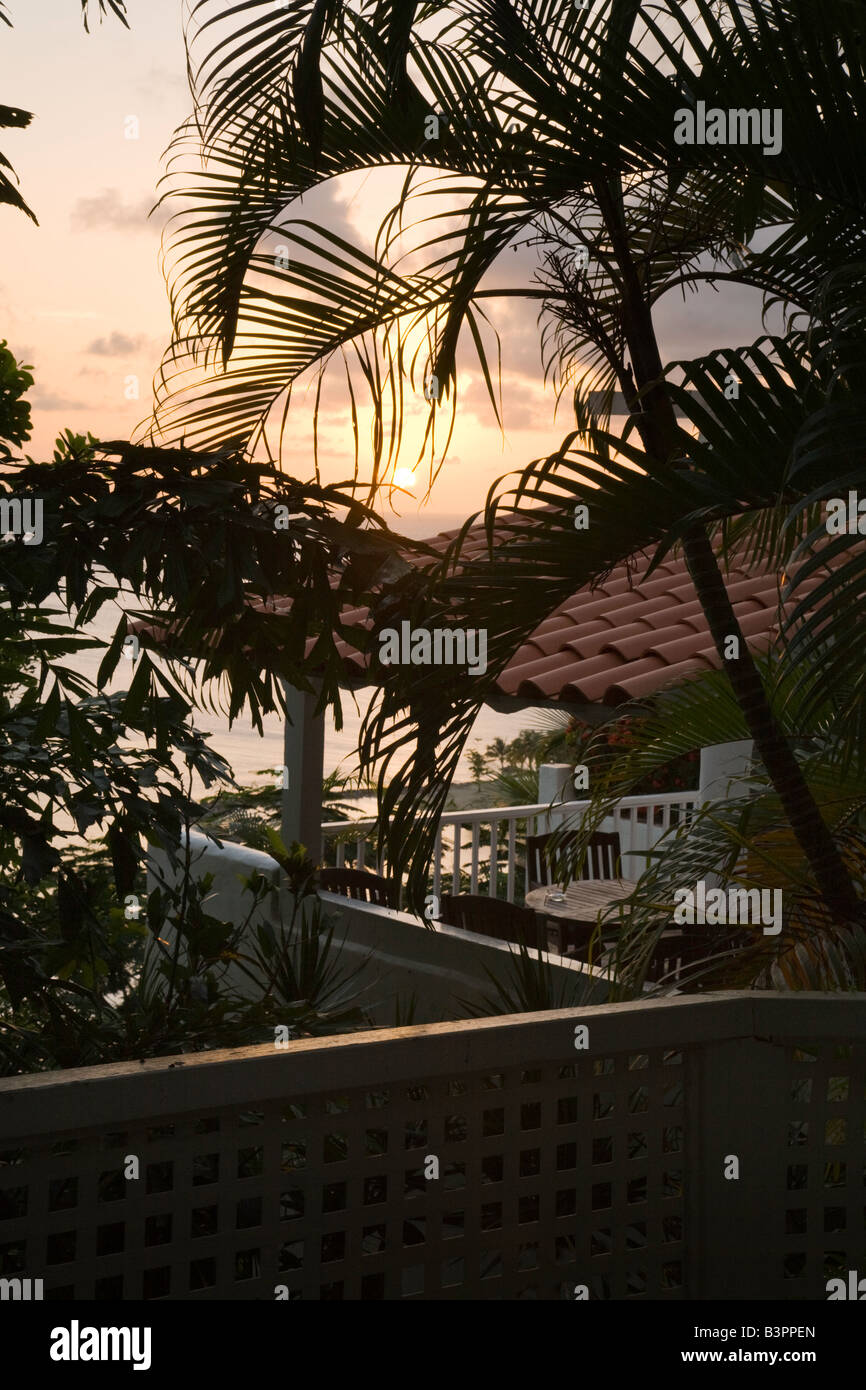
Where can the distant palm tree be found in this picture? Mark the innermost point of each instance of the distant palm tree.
(499, 750)
(553, 124)
(516, 754)
(478, 764)
(528, 747)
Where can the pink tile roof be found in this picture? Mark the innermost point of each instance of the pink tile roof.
(622, 640)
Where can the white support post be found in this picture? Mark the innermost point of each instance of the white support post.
(304, 758)
(554, 785)
(723, 765)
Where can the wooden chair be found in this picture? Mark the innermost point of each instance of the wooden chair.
(672, 952)
(602, 858)
(601, 861)
(492, 917)
(677, 950)
(359, 884)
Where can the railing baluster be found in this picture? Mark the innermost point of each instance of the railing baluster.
(476, 845)
(437, 862)
(341, 855)
(455, 870)
(493, 889)
(642, 839)
(361, 850)
(512, 858)
(624, 825)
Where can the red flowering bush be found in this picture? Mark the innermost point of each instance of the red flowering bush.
(681, 774)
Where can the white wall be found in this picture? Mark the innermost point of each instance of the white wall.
(439, 966)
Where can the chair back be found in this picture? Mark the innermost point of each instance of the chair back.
(361, 885)
(676, 951)
(491, 917)
(602, 858)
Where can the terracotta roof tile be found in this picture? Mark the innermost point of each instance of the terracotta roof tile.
(622, 640)
(547, 642)
(632, 648)
(584, 610)
(637, 685)
(760, 621)
(676, 650)
(591, 644)
(599, 687)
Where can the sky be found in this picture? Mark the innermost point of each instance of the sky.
(83, 298)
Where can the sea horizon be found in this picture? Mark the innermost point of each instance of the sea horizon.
(250, 754)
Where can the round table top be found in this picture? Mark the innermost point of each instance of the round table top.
(584, 899)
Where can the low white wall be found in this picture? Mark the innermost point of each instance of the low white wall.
(229, 865)
(439, 966)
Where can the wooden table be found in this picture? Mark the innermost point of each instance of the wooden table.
(578, 914)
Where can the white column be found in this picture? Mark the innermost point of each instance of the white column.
(722, 767)
(304, 758)
(554, 785)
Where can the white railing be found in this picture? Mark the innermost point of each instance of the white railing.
(641, 821)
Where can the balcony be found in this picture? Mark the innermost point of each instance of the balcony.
(492, 1159)
(476, 851)
(483, 843)
(675, 1148)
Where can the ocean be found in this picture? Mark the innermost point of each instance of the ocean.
(250, 753)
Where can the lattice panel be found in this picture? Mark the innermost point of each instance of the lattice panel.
(631, 1216)
(822, 1168)
(550, 1177)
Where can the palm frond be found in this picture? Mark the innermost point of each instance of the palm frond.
(117, 8)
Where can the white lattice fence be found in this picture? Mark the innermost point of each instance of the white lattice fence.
(487, 1159)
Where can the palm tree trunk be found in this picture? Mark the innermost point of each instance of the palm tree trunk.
(809, 827)
(658, 429)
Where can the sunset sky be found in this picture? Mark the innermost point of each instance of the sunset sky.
(83, 298)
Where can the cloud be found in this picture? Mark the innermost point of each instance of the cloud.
(65, 314)
(524, 404)
(329, 206)
(116, 345)
(163, 79)
(517, 323)
(700, 321)
(50, 400)
(109, 210)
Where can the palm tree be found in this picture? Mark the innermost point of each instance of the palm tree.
(516, 754)
(13, 117)
(499, 750)
(553, 124)
(117, 7)
(478, 764)
(743, 839)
